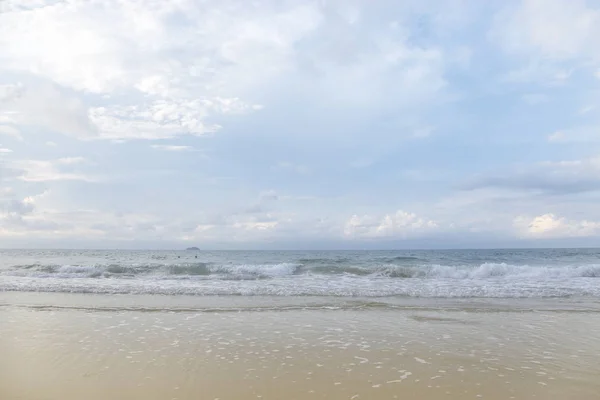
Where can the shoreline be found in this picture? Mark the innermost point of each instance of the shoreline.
(235, 303)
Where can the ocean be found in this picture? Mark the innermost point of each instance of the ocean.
(528, 273)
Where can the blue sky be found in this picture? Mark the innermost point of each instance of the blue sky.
(299, 124)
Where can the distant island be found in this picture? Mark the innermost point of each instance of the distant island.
(192, 248)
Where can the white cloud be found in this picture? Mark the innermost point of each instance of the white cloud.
(45, 106)
(50, 170)
(535, 98)
(540, 72)
(589, 134)
(169, 52)
(163, 119)
(553, 226)
(557, 136)
(399, 225)
(557, 29)
(10, 131)
(167, 147)
(555, 36)
(153, 69)
(588, 165)
(5, 150)
(423, 132)
(297, 168)
(83, 224)
(160, 120)
(255, 226)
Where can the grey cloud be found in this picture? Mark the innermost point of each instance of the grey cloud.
(254, 209)
(532, 181)
(9, 172)
(19, 207)
(553, 178)
(268, 196)
(262, 205)
(13, 211)
(41, 225)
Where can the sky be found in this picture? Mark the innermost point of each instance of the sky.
(298, 124)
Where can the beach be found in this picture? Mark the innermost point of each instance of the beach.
(73, 346)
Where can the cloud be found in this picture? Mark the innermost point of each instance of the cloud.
(13, 211)
(535, 98)
(45, 106)
(255, 225)
(556, 37)
(423, 132)
(167, 69)
(562, 177)
(70, 160)
(51, 170)
(248, 227)
(268, 195)
(159, 120)
(83, 224)
(120, 45)
(539, 72)
(297, 168)
(586, 109)
(589, 134)
(4, 150)
(163, 54)
(556, 29)
(553, 226)
(399, 225)
(166, 147)
(375, 102)
(10, 130)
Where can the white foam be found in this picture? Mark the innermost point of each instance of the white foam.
(494, 280)
(269, 270)
(495, 270)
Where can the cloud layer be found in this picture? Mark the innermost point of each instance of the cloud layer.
(273, 124)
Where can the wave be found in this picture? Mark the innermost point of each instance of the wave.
(317, 260)
(485, 271)
(490, 271)
(198, 269)
(482, 271)
(314, 286)
(401, 259)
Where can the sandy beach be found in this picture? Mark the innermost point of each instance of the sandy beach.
(66, 346)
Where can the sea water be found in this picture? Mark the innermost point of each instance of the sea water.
(527, 273)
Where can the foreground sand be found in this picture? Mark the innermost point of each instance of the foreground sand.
(87, 347)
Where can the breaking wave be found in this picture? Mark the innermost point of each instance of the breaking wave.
(309, 277)
(483, 271)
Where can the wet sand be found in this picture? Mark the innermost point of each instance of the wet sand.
(101, 347)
